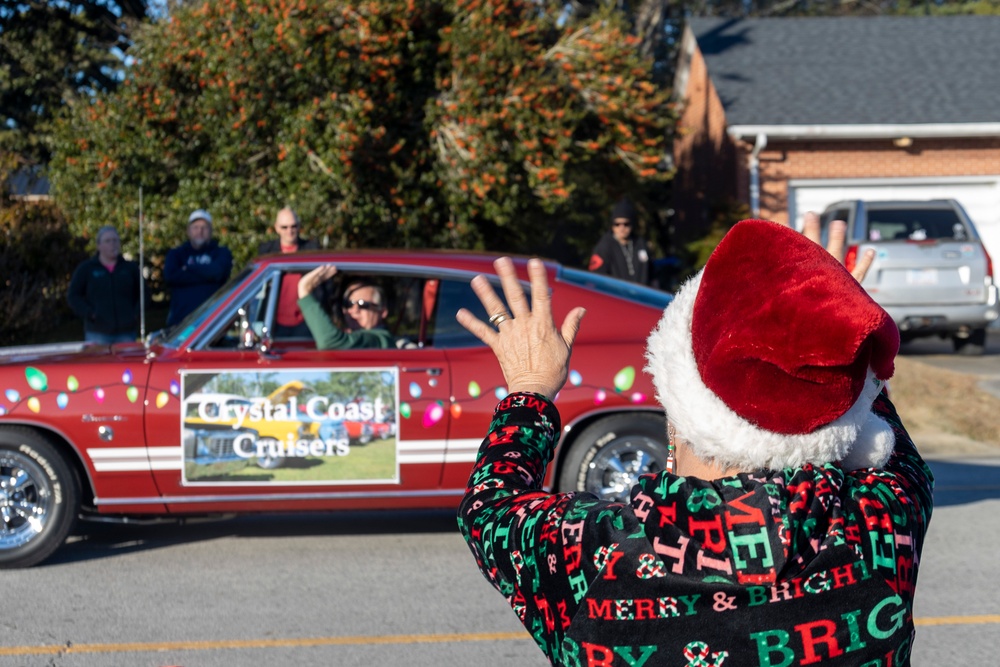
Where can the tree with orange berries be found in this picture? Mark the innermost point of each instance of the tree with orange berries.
(465, 124)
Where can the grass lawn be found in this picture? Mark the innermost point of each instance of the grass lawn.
(376, 460)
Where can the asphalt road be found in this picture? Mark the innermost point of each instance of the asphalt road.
(379, 589)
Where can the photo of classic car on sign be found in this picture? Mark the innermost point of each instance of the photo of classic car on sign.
(242, 427)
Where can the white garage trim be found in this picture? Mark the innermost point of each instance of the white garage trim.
(855, 131)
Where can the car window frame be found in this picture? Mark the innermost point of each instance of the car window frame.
(201, 341)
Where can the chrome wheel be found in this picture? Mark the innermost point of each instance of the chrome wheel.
(616, 467)
(39, 497)
(25, 500)
(610, 455)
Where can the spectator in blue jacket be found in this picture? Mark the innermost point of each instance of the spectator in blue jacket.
(195, 269)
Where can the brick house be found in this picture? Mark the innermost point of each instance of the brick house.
(789, 115)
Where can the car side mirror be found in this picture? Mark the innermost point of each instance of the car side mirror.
(264, 341)
(249, 339)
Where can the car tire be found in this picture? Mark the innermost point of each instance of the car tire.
(39, 498)
(270, 462)
(610, 454)
(972, 345)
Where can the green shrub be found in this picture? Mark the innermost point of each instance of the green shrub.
(38, 255)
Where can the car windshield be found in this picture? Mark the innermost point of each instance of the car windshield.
(915, 224)
(615, 287)
(176, 335)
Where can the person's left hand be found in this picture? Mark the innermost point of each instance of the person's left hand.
(533, 354)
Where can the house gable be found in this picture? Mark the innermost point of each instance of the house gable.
(898, 102)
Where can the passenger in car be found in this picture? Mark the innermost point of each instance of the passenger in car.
(363, 308)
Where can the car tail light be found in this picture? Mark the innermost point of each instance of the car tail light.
(989, 264)
(851, 258)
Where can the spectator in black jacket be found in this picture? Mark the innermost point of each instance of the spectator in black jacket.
(104, 292)
(621, 252)
(195, 269)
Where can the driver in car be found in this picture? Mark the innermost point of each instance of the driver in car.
(363, 308)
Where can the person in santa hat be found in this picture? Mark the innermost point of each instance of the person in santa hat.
(788, 526)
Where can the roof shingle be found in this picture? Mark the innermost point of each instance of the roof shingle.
(854, 70)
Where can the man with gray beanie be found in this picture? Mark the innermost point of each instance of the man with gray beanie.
(621, 252)
(195, 269)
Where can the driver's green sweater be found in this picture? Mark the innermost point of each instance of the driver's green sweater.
(330, 337)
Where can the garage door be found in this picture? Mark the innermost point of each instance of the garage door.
(979, 195)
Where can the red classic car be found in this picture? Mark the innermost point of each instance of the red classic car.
(89, 431)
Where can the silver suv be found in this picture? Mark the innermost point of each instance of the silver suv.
(931, 272)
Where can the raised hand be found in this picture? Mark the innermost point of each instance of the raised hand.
(311, 280)
(533, 354)
(836, 242)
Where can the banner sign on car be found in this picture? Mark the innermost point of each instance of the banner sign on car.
(299, 427)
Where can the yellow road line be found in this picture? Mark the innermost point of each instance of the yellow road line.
(260, 643)
(150, 647)
(957, 620)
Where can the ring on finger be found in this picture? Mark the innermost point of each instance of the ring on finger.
(495, 320)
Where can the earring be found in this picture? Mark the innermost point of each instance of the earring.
(671, 466)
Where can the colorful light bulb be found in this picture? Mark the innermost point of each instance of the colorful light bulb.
(36, 379)
(625, 378)
(433, 414)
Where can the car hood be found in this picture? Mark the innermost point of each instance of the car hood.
(68, 352)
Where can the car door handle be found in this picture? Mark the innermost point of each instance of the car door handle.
(430, 370)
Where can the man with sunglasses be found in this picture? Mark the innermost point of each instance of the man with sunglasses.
(621, 252)
(289, 322)
(363, 309)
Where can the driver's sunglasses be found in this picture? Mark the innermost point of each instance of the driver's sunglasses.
(347, 304)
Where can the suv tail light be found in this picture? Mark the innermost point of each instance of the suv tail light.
(851, 258)
(989, 263)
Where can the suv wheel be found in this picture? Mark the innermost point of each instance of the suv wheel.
(973, 345)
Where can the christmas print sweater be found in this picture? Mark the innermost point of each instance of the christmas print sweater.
(807, 566)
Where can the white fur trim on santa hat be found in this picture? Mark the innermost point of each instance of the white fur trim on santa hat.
(717, 434)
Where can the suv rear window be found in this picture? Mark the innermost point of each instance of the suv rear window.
(895, 224)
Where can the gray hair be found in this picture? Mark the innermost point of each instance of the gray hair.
(103, 230)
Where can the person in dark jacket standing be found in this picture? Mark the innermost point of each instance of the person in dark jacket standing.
(621, 252)
(104, 292)
(195, 269)
(787, 526)
(289, 322)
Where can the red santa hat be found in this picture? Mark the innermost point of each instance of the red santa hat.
(771, 356)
